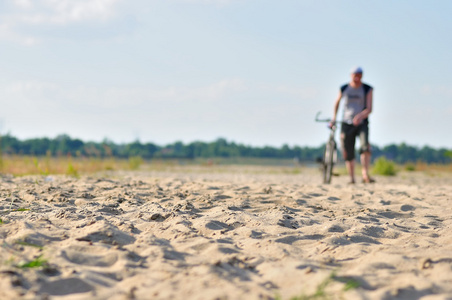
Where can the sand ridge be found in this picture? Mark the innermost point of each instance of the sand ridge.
(225, 235)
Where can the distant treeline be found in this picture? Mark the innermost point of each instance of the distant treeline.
(65, 145)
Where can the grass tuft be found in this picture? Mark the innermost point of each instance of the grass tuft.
(23, 243)
(351, 285)
(22, 209)
(72, 171)
(410, 167)
(135, 162)
(35, 263)
(349, 282)
(384, 167)
(321, 291)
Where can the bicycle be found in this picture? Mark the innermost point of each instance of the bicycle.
(330, 153)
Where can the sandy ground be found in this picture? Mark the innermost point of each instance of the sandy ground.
(230, 233)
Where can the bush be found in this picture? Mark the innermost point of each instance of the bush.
(448, 153)
(410, 167)
(71, 170)
(135, 162)
(384, 167)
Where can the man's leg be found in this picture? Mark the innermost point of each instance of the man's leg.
(348, 133)
(365, 162)
(365, 152)
(350, 165)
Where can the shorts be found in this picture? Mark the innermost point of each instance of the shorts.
(348, 137)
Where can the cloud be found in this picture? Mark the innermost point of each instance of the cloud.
(229, 107)
(21, 19)
(225, 90)
(27, 93)
(301, 93)
(227, 96)
(30, 22)
(25, 4)
(62, 11)
(439, 94)
(437, 91)
(219, 2)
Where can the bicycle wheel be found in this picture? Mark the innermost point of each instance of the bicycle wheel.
(328, 161)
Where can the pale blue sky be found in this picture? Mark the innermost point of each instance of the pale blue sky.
(251, 71)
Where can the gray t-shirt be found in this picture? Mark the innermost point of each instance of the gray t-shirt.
(355, 101)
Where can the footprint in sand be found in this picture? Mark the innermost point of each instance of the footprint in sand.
(218, 225)
(105, 233)
(63, 287)
(335, 228)
(407, 207)
(80, 258)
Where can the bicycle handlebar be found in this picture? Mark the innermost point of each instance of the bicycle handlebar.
(324, 120)
(321, 120)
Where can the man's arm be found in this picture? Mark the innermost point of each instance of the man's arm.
(336, 107)
(366, 112)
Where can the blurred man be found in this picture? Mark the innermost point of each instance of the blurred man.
(357, 107)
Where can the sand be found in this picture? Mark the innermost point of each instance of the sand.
(229, 233)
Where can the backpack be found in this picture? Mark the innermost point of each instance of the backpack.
(366, 87)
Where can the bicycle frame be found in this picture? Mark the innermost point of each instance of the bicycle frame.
(330, 152)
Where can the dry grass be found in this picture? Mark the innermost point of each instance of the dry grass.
(75, 166)
(428, 169)
(423, 167)
(28, 165)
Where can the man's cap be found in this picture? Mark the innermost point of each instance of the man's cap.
(356, 70)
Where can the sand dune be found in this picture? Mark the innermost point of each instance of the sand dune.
(242, 233)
